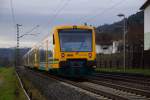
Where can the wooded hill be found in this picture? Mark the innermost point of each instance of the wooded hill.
(107, 33)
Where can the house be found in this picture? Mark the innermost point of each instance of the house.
(108, 48)
(146, 8)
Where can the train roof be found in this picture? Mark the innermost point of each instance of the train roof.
(72, 26)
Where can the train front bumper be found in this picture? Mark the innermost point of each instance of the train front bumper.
(77, 68)
(77, 63)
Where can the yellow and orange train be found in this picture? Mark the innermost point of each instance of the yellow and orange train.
(68, 50)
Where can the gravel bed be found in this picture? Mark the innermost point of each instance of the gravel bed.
(56, 90)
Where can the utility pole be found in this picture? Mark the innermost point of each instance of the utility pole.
(17, 53)
(17, 49)
(124, 40)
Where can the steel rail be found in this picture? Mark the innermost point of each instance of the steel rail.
(123, 79)
(25, 92)
(120, 87)
(128, 76)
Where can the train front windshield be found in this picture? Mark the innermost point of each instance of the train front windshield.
(75, 40)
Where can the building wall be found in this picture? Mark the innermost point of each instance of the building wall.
(108, 49)
(100, 49)
(147, 28)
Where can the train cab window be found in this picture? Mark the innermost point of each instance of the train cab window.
(75, 40)
(42, 55)
(53, 39)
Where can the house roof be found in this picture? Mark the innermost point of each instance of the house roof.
(145, 5)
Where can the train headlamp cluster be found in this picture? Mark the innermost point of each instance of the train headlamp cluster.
(62, 55)
(90, 55)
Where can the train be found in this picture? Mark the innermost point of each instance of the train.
(68, 51)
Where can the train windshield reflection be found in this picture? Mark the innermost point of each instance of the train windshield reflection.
(75, 40)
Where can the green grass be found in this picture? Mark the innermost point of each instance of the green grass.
(132, 71)
(10, 88)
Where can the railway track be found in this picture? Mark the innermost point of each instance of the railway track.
(101, 90)
(124, 86)
(127, 75)
(132, 79)
(120, 82)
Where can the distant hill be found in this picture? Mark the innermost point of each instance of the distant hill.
(7, 55)
(111, 32)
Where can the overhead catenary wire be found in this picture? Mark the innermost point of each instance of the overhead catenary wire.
(14, 23)
(58, 11)
(61, 5)
(105, 10)
(102, 12)
(32, 29)
(13, 16)
(12, 12)
(90, 12)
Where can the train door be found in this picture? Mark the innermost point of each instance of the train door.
(50, 52)
(42, 56)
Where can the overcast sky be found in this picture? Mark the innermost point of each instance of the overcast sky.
(49, 13)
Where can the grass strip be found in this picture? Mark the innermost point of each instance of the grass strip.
(10, 88)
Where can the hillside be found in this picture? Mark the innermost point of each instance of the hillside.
(110, 32)
(7, 55)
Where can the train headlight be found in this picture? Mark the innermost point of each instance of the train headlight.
(94, 66)
(62, 55)
(90, 55)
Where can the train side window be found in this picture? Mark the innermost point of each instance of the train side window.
(53, 39)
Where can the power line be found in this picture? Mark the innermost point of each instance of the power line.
(61, 5)
(58, 11)
(32, 29)
(83, 17)
(12, 12)
(104, 11)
